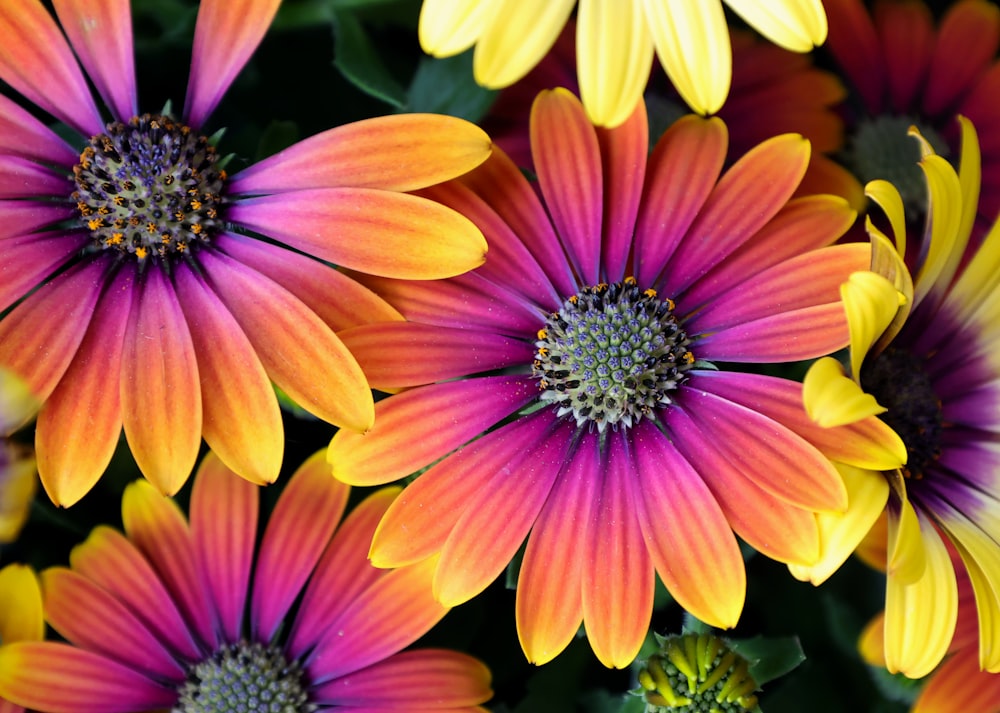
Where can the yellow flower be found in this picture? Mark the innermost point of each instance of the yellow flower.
(615, 43)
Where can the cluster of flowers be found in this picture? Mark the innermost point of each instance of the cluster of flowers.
(575, 317)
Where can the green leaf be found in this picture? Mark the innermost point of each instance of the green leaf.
(769, 658)
(446, 86)
(277, 136)
(359, 62)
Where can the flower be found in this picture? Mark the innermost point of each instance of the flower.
(774, 91)
(168, 614)
(653, 465)
(157, 308)
(906, 71)
(922, 356)
(615, 43)
(20, 612)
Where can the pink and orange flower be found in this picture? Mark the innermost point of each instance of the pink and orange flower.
(188, 613)
(138, 288)
(576, 386)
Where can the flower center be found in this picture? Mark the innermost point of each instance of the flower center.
(244, 678)
(881, 147)
(898, 381)
(151, 187)
(611, 354)
(699, 673)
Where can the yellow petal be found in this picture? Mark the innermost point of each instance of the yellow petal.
(447, 27)
(516, 39)
(969, 177)
(945, 215)
(907, 552)
(832, 399)
(614, 53)
(692, 41)
(920, 616)
(888, 263)
(796, 25)
(20, 605)
(17, 402)
(840, 533)
(871, 643)
(871, 303)
(889, 200)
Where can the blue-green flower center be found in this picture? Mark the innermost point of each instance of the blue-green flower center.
(244, 678)
(699, 674)
(611, 355)
(899, 382)
(882, 147)
(149, 188)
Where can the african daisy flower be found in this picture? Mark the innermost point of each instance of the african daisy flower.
(157, 307)
(20, 613)
(923, 357)
(574, 386)
(186, 615)
(906, 70)
(615, 43)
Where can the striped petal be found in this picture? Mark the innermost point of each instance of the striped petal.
(91, 618)
(36, 61)
(371, 230)
(419, 521)
(568, 163)
(499, 514)
(300, 353)
(20, 592)
(692, 41)
(618, 574)
(86, 401)
(241, 420)
(64, 679)
(27, 260)
(101, 35)
(300, 527)
(549, 606)
(110, 560)
(389, 615)
(344, 571)
(796, 25)
(959, 685)
(689, 539)
(223, 515)
(417, 427)
(23, 178)
(401, 152)
(682, 173)
(906, 34)
(21, 134)
(161, 401)
(516, 39)
(39, 337)
(155, 524)
(856, 47)
(400, 354)
(225, 35)
(615, 51)
(411, 680)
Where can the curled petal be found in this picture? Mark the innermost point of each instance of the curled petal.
(833, 399)
(871, 303)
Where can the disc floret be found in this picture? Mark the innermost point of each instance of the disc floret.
(151, 187)
(611, 355)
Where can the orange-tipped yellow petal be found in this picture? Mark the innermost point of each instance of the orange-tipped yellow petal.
(832, 399)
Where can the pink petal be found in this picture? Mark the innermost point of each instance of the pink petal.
(689, 539)
(682, 173)
(568, 163)
(225, 35)
(967, 42)
(499, 515)
(155, 524)
(87, 615)
(60, 678)
(19, 218)
(240, 415)
(223, 514)
(110, 560)
(399, 354)
(906, 35)
(101, 35)
(300, 527)
(341, 575)
(36, 61)
(21, 134)
(417, 427)
(27, 260)
(618, 575)
(23, 178)
(411, 680)
(624, 151)
(856, 47)
(549, 606)
(161, 401)
(86, 401)
(337, 299)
